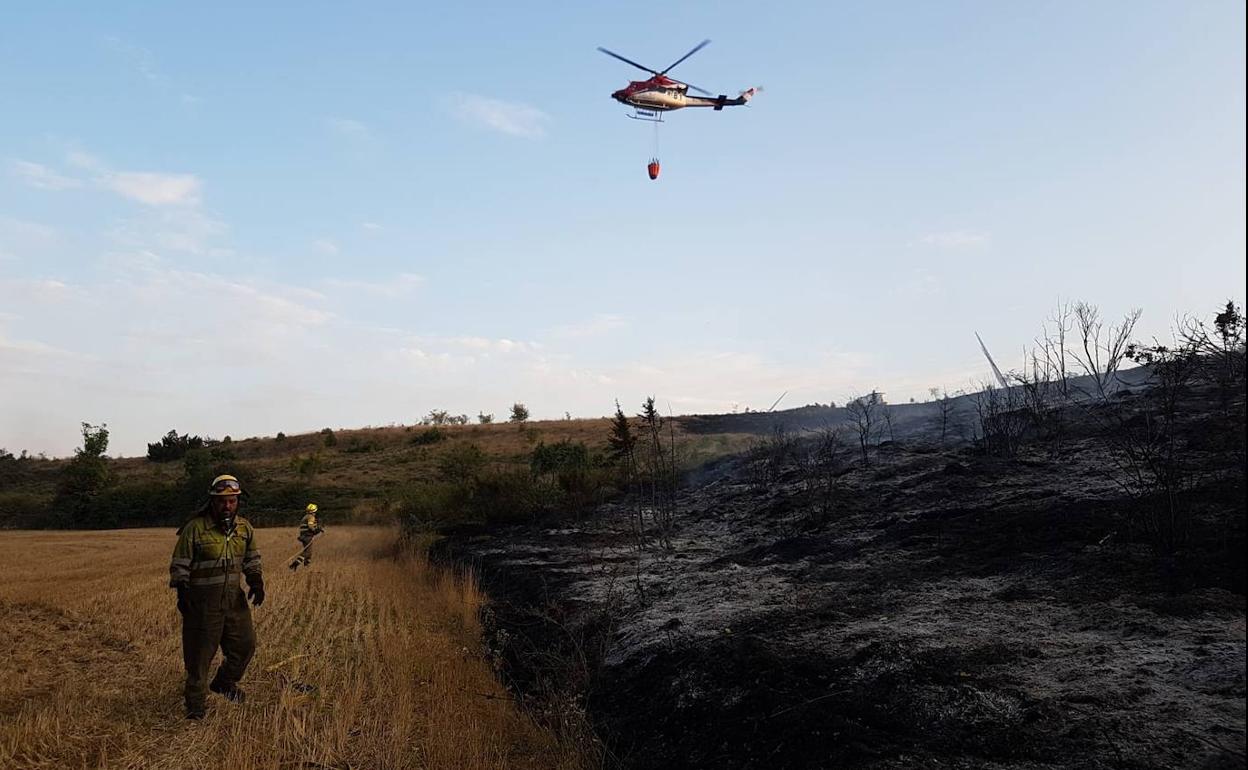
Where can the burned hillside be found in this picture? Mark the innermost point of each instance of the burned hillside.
(908, 605)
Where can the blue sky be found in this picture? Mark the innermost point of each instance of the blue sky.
(232, 220)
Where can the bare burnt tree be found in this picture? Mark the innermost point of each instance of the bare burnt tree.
(863, 414)
(658, 468)
(1053, 346)
(1100, 350)
(824, 465)
(1147, 449)
(1220, 352)
(1002, 419)
(887, 413)
(1043, 390)
(767, 457)
(944, 411)
(622, 448)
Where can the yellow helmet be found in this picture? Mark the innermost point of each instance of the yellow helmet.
(225, 484)
(311, 508)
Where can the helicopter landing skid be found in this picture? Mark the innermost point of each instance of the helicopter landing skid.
(646, 115)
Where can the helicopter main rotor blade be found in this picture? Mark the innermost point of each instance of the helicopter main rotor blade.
(696, 48)
(627, 61)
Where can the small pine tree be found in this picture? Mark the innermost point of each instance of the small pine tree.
(519, 413)
(622, 441)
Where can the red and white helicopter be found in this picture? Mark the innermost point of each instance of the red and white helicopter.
(651, 98)
(659, 94)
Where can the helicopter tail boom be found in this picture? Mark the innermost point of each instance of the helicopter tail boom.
(719, 102)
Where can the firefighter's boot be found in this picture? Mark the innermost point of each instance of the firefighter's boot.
(231, 692)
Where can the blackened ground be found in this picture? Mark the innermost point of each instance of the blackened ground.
(955, 610)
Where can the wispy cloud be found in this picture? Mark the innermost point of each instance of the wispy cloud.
(918, 283)
(143, 61)
(601, 323)
(178, 228)
(372, 227)
(155, 189)
(350, 129)
(512, 118)
(85, 160)
(400, 285)
(487, 345)
(326, 246)
(138, 58)
(41, 177)
(20, 238)
(151, 188)
(957, 239)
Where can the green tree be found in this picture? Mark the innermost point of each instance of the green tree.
(622, 442)
(519, 413)
(84, 479)
(173, 447)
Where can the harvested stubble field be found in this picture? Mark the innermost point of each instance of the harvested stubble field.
(369, 659)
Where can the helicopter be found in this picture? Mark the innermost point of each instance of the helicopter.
(650, 98)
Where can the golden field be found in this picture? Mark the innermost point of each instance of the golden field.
(369, 659)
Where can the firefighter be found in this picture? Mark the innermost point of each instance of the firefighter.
(309, 528)
(213, 550)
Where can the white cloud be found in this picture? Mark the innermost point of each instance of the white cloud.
(19, 237)
(326, 246)
(83, 160)
(182, 229)
(957, 239)
(155, 189)
(601, 323)
(371, 226)
(510, 118)
(487, 345)
(400, 285)
(10, 348)
(40, 291)
(139, 58)
(350, 129)
(42, 177)
(918, 283)
(151, 188)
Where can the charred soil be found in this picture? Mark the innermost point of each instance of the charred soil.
(952, 609)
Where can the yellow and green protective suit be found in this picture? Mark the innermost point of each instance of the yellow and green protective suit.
(309, 528)
(206, 568)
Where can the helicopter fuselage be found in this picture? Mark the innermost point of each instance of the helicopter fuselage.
(661, 94)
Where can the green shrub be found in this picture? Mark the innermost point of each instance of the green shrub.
(23, 510)
(461, 464)
(427, 436)
(358, 446)
(141, 504)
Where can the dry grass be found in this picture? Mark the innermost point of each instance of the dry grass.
(92, 672)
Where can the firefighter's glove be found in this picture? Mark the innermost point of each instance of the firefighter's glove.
(256, 593)
(184, 598)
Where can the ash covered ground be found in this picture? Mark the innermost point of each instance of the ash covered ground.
(953, 609)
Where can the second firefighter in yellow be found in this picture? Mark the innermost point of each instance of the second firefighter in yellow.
(309, 528)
